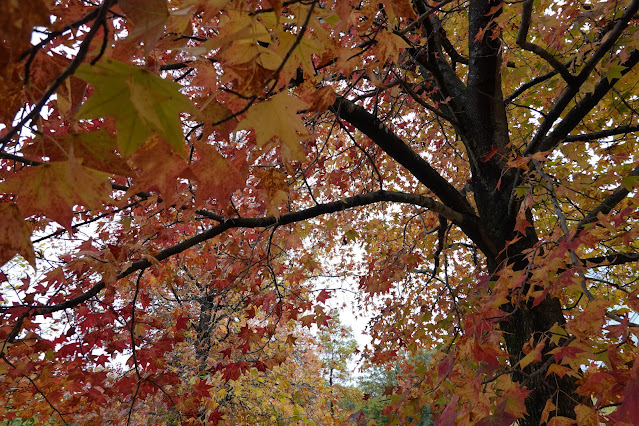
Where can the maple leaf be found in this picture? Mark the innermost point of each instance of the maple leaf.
(273, 183)
(389, 45)
(217, 176)
(206, 76)
(399, 9)
(213, 112)
(15, 235)
(302, 52)
(158, 167)
(501, 419)
(141, 103)
(533, 356)
(514, 402)
(53, 189)
(558, 369)
(323, 98)
(629, 409)
(550, 406)
(277, 118)
(560, 421)
(148, 17)
(587, 416)
(17, 22)
(323, 296)
(70, 95)
(96, 150)
(449, 415)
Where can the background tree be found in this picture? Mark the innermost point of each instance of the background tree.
(379, 383)
(470, 166)
(338, 350)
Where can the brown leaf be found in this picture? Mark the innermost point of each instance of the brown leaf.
(15, 235)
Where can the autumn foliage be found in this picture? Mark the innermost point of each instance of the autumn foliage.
(187, 186)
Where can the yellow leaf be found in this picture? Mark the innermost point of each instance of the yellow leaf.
(547, 409)
(389, 45)
(629, 182)
(273, 182)
(587, 416)
(277, 118)
(533, 356)
(301, 54)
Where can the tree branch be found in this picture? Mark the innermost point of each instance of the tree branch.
(576, 114)
(392, 145)
(261, 222)
(609, 40)
(571, 91)
(532, 83)
(609, 260)
(538, 50)
(621, 130)
(607, 204)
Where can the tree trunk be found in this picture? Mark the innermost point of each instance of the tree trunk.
(493, 184)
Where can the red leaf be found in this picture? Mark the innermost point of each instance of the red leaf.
(446, 366)
(449, 415)
(323, 296)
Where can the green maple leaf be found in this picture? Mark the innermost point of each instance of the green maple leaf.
(140, 101)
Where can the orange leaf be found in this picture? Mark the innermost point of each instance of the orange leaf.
(547, 409)
(533, 356)
(323, 98)
(515, 402)
(217, 176)
(389, 45)
(273, 183)
(158, 166)
(587, 416)
(53, 189)
(561, 421)
(559, 370)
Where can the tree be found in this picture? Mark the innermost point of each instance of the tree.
(338, 349)
(378, 383)
(471, 164)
